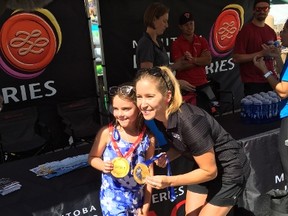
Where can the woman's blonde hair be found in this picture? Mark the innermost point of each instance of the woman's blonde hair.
(165, 81)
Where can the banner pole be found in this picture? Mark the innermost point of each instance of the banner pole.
(100, 74)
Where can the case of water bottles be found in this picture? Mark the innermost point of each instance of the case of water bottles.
(260, 108)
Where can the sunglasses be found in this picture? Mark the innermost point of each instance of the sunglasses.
(155, 71)
(123, 90)
(263, 9)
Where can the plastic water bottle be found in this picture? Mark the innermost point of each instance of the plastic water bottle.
(249, 97)
(276, 43)
(271, 42)
(266, 110)
(257, 111)
(258, 96)
(272, 94)
(275, 108)
(264, 94)
(246, 110)
(277, 104)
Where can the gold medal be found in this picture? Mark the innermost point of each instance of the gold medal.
(140, 172)
(121, 167)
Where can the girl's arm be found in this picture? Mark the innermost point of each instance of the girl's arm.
(96, 152)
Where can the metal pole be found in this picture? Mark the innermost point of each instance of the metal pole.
(101, 80)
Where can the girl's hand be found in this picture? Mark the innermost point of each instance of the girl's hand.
(108, 167)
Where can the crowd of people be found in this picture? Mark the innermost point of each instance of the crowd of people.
(162, 103)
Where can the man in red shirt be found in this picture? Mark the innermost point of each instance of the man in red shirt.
(255, 39)
(196, 51)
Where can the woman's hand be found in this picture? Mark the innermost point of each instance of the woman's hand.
(158, 181)
(271, 50)
(260, 63)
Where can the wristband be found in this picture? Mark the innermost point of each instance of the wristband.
(266, 75)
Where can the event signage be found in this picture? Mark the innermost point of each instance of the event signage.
(220, 25)
(41, 57)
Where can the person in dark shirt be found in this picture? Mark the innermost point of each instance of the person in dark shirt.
(150, 50)
(221, 166)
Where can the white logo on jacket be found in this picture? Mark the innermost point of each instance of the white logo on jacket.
(176, 136)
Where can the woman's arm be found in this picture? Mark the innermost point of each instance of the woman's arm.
(281, 88)
(207, 171)
(248, 57)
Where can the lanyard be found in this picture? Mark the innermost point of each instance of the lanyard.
(133, 147)
(169, 173)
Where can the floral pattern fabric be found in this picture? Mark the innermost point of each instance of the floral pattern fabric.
(123, 196)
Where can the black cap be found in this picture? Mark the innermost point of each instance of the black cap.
(185, 17)
(258, 1)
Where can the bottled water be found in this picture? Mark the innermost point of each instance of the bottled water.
(259, 108)
(264, 94)
(258, 96)
(275, 108)
(246, 110)
(257, 111)
(267, 110)
(272, 94)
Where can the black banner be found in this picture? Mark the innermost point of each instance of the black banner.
(122, 26)
(68, 76)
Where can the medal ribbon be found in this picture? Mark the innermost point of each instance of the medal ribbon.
(133, 147)
(169, 173)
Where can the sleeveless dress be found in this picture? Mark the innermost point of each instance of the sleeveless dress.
(122, 196)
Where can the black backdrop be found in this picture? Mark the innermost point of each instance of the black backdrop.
(122, 26)
(121, 23)
(71, 70)
(70, 73)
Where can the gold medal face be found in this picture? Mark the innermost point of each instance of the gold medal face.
(140, 172)
(121, 167)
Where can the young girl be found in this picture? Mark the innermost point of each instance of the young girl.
(221, 166)
(117, 149)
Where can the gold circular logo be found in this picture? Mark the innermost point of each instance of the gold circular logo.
(121, 167)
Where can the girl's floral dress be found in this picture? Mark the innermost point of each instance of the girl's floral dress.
(122, 196)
